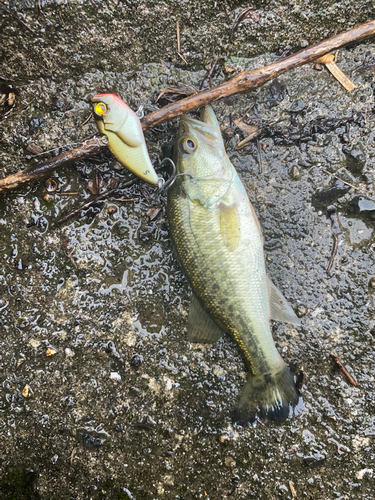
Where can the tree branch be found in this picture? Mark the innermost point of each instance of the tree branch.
(243, 82)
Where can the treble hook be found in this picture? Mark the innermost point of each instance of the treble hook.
(164, 185)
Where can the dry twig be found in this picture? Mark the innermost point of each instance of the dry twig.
(292, 490)
(87, 119)
(242, 82)
(347, 183)
(343, 369)
(336, 230)
(329, 60)
(178, 38)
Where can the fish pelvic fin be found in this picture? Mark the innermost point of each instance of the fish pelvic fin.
(271, 396)
(201, 327)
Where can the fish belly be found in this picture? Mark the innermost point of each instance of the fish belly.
(231, 284)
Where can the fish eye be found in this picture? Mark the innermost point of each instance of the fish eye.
(189, 146)
(100, 108)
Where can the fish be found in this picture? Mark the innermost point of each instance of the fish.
(125, 136)
(218, 242)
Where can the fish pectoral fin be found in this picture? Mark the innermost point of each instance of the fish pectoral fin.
(230, 226)
(201, 328)
(281, 310)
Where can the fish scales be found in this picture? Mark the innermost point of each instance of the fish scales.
(219, 246)
(220, 279)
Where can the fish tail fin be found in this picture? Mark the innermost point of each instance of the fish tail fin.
(271, 396)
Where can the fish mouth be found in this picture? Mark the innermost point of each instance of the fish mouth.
(204, 127)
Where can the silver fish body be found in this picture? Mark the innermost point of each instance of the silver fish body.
(219, 245)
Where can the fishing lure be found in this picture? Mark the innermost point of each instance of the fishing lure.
(123, 129)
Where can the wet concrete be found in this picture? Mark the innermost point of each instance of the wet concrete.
(101, 395)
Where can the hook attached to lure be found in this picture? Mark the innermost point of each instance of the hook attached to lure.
(125, 136)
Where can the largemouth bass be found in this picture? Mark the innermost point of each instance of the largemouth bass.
(219, 246)
(123, 129)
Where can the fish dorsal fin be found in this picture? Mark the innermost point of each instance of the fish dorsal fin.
(281, 310)
(230, 226)
(201, 328)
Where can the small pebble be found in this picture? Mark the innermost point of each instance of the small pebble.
(34, 343)
(301, 311)
(223, 438)
(50, 351)
(371, 283)
(115, 376)
(51, 184)
(228, 132)
(230, 462)
(26, 391)
(318, 67)
(295, 173)
(136, 360)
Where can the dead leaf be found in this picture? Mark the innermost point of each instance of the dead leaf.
(172, 94)
(247, 13)
(34, 148)
(50, 351)
(248, 129)
(95, 184)
(152, 213)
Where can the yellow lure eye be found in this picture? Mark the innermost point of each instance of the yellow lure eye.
(100, 108)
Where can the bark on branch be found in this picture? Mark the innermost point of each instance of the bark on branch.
(243, 82)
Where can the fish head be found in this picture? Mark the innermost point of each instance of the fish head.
(199, 147)
(201, 158)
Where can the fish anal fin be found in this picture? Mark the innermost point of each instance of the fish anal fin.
(230, 226)
(281, 310)
(201, 328)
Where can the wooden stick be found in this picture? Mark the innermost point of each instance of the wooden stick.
(250, 80)
(329, 60)
(88, 148)
(343, 369)
(347, 183)
(178, 38)
(243, 82)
